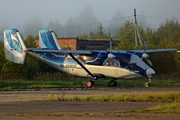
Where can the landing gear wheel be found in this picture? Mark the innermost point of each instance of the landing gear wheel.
(112, 83)
(146, 84)
(89, 83)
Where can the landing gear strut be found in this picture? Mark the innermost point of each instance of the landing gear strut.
(147, 84)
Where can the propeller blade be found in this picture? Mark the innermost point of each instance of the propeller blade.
(117, 49)
(115, 62)
(145, 45)
(105, 61)
(149, 62)
(110, 45)
(146, 56)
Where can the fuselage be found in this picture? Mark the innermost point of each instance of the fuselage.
(129, 65)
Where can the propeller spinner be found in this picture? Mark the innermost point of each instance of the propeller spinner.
(110, 56)
(144, 55)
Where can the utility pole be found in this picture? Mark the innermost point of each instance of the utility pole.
(136, 30)
(135, 27)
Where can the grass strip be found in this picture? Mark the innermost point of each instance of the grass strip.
(167, 108)
(152, 97)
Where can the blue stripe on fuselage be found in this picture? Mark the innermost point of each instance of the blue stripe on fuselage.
(58, 57)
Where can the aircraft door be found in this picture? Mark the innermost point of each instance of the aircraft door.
(112, 69)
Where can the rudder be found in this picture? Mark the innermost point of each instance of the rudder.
(14, 46)
(47, 39)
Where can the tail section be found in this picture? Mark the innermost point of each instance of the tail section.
(14, 46)
(47, 39)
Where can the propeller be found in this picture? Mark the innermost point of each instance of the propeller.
(146, 56)
(110, 56)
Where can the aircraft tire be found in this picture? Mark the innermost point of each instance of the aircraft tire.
(89, 83)
(112, 83)
(146, 84)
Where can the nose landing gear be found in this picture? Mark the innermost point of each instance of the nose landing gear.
(112, 83)
(147, 84)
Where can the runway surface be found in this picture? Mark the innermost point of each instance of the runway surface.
(16, 103)
(70, 107)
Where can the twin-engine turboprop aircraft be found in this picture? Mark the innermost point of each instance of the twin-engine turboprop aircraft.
(94, 64)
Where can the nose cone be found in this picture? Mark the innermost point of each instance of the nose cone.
(149, 72)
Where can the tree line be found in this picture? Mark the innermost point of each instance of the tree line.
(167, 35)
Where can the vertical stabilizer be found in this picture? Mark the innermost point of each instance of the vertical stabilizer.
(47, 39)
(14, 46)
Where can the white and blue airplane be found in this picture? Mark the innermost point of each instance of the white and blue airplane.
(91, 63)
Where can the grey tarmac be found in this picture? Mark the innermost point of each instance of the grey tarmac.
(71, 107)
(122, 116)
(15, 105)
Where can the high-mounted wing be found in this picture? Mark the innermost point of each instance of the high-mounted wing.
(153, 50)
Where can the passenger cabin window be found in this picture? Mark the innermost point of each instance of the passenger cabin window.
(111, 63)
(88, 57)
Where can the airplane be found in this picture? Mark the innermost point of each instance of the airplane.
(85, 63)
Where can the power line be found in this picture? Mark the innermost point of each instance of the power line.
(79, 25)
(156, 17)
(93, 23)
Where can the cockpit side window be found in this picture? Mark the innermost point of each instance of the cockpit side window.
(123, 59)
(125, 62)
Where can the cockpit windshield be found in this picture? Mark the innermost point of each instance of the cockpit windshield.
(135, 59)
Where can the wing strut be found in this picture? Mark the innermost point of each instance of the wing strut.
(89, 73)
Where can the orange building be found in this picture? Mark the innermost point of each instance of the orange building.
(82, 44)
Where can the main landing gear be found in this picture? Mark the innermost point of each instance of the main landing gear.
(147, 84)
(90, 84)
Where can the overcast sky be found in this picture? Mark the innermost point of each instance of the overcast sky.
(16, 12)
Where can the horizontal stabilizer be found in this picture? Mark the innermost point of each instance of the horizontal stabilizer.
(58, 51)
